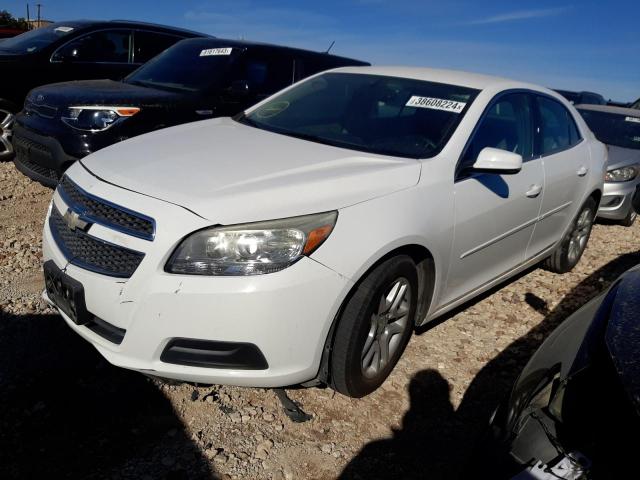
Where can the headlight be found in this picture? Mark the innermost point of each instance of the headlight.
(623, 174)
(96, 118)
(252, 248)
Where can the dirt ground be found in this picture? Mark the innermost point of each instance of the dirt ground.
(67, 413)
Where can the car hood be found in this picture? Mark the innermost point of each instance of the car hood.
(228, 172)
(621, 157)
(100, 92)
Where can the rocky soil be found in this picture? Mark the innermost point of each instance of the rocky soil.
(66, 413)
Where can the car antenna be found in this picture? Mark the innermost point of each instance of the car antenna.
(330, 46)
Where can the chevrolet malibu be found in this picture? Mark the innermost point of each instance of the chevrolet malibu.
(301, 241)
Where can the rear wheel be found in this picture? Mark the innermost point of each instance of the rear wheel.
(6, 130)
(374, 327)
(573, 244)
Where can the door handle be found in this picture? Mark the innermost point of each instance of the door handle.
(534, 191)
(582, 171)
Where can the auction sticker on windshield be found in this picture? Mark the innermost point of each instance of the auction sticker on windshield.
(215, 51)
(632, 119)
(64, 29)
(436, 104)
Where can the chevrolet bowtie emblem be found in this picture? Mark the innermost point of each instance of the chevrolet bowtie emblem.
(74, 221)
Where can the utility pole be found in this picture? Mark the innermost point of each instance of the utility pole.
(28, 19)
(39, 5)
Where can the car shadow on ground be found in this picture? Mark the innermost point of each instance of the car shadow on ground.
(437, 441)
(66, 413)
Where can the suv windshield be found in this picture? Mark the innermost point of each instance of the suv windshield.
(614, 128)
(189, 66)
(370, 113)
(35, 40)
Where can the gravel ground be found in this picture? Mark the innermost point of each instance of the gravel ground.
(66, 413)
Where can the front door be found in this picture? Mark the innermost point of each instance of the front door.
(495, 215)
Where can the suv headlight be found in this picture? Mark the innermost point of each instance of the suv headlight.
(96, 118)
(622, 174)
(251, 248)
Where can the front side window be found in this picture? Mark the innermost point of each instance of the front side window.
(107, 46)
(507, 125)
(613, 128)
(371, 113)
(558, 130)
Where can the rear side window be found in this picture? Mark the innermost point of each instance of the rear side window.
(149, 44)
(558, 130)
(507, 125)
(107, 46)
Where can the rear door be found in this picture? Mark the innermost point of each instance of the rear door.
(565, 158)
(495, 215)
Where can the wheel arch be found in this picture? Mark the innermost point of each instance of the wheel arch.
(426, 268)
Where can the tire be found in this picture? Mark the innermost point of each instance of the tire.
(572, 246)
(7, 115)
(630, 219)
(372, 322)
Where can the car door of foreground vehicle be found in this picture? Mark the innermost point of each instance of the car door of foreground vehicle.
(495, 214)
(566, 160)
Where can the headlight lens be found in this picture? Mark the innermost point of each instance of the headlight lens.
(623, 174)
(96, 118)
(252, 248)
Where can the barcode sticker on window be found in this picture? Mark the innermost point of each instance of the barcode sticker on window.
(436, 104)
(632, 119)
(215, 51)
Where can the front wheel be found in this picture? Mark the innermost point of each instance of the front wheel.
(573, 244)
(7, 113)
(374, 327)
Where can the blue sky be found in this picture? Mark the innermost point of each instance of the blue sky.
(586, 45)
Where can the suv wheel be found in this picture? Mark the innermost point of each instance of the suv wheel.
(6, 131)
(574, 243)
(374, 327)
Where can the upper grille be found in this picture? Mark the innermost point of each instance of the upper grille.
(45, 111)
(114, 216)
(91, 253)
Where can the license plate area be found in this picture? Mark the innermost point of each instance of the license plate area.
(66, 293)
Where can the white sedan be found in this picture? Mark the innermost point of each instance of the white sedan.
(302, 241)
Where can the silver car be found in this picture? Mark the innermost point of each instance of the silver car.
(619, 129)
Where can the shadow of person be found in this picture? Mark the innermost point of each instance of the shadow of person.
(66, 413)
(437, 441)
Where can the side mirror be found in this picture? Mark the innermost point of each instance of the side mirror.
(239, 88)
(494, 160)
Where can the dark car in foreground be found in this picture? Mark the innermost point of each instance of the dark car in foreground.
(574, 412)
(619, 129)
(578, 98)
(74, 50)
(193, 80)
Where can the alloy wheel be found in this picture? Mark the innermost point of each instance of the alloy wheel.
(580, 235)
(6, 130)
(387, 326)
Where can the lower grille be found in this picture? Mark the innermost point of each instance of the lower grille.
(91, 253)
(41, 170)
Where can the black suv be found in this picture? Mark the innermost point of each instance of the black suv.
(193, 80)
(74, 50)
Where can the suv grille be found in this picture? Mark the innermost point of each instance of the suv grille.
(91, 253)
(27, 149)
(106, 214)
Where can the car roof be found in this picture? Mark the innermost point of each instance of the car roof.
(454, 77)
(215, 42)
(610, 109)
(84, 24)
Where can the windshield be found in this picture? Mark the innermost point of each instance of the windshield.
(370, 113)
(189, 66)
(36, 40)
(614, 128)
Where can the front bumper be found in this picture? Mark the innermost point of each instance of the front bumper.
(617, 200)
(39, 157)
(286, 315)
